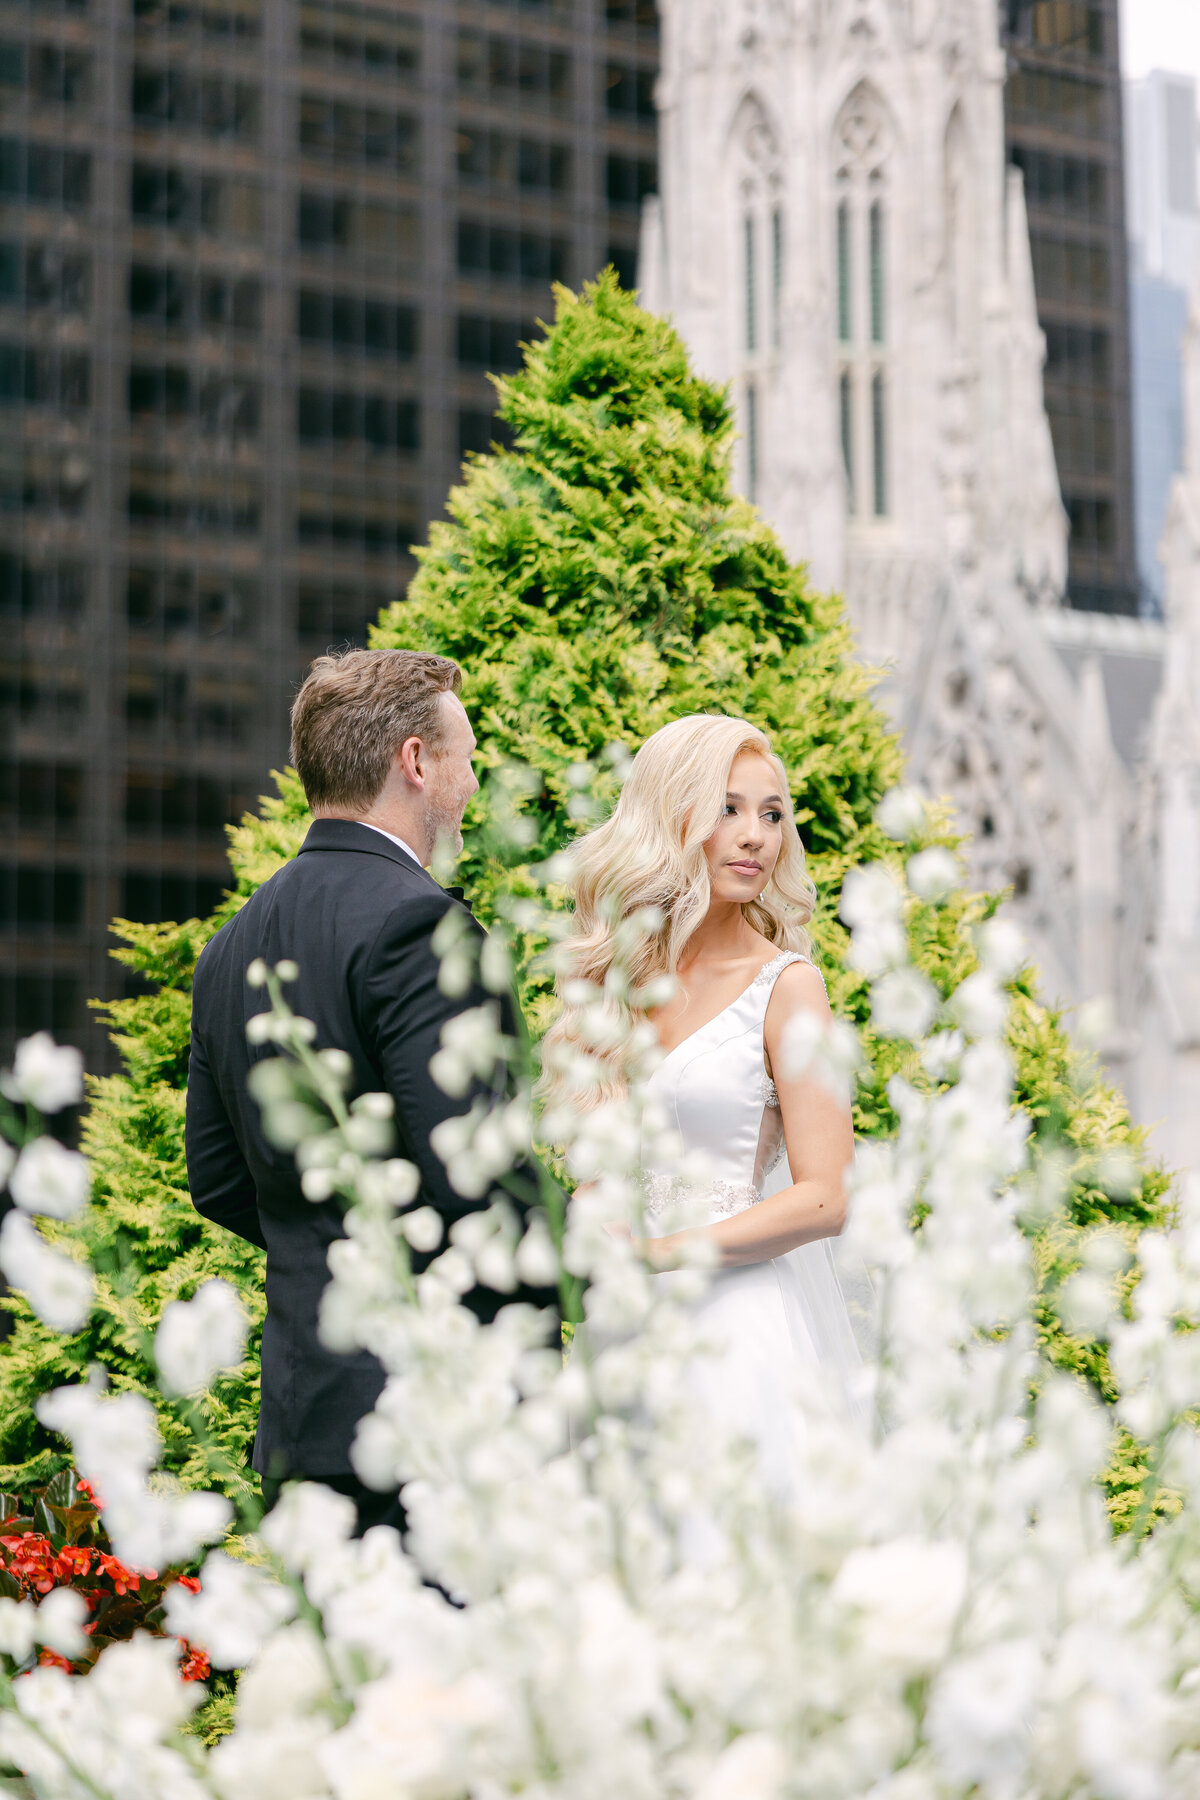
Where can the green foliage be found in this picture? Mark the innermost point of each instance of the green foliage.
(600, 579)
(595, 581)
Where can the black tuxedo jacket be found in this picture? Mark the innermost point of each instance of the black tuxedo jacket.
(356, 914)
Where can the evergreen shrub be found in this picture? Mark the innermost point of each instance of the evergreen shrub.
(595, 580)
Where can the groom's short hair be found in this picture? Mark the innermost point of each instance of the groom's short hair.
(355, 710)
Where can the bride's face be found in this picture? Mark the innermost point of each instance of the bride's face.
(743, 850)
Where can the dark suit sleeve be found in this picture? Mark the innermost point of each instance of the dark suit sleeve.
(221, 1185)
(403, 1013)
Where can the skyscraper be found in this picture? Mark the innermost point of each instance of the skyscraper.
(256, 259)
(1064, 130)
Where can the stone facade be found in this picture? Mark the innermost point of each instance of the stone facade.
(1171, 989)
(841, 239)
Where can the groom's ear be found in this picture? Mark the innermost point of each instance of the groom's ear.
(412, 757)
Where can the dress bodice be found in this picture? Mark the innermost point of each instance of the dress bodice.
(714, 1094)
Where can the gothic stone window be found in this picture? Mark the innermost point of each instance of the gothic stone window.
(862, 233)
(761, 249)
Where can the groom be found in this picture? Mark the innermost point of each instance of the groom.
(383, 747)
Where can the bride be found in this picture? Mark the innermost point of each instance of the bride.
(703, 836)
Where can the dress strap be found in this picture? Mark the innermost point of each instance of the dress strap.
(770, 972)
(767, 976)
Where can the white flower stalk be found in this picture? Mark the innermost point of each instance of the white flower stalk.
(50, 1179)
(115, 1443)
(935, 1610)
(872, 906)
(59, 1289)
(198, 1338)
(45, 1075)
(115, 1733)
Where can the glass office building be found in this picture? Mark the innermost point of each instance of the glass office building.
(257, 258)
(1064, 129)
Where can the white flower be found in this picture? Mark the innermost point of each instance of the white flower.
(820, 1050)
(981, 1712)
(59, 1289)
(415, 1736)
(1002, 947)
(753, 1767)
(942, 1053)
(61, 1617)
(390, 1184)
(620, 1661)
(901, 813)
(908, 1593)
(423, 1228)
(236, 1610)
(8, 1157)
(536, 1258)
(277, 1762)
(871, 896)
(305, 1524)
(107, 1432)
(934, 874)
(979, 1005)
(456, 945)
(50, 1179)
(18, 1628)
(196, 1338)
(46, 1075)
(872, 905)
(1086, 1304)
(471, 1043)
(147, 1668)
(288, 1678)
(903, 1004)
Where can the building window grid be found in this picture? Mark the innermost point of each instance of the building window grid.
(171, 494)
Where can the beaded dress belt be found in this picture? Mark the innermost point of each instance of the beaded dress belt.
(724, 1198)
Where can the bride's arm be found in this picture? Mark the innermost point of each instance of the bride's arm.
(820, 1146)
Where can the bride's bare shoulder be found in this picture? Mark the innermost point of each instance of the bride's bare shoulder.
(798, 988)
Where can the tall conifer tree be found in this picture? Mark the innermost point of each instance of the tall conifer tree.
(595, 580)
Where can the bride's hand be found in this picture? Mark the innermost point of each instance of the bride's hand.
(619, 1228)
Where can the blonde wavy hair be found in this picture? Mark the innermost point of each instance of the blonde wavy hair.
(641, 888)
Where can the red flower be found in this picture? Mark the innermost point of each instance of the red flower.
(73, 1560)
(32, 1561)
(50, 1659)
(194, 1664)
(124, 1580)
(190, 1582)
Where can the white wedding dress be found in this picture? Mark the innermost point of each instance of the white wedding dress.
(777, 1338)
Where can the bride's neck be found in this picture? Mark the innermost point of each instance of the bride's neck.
(721, 936)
